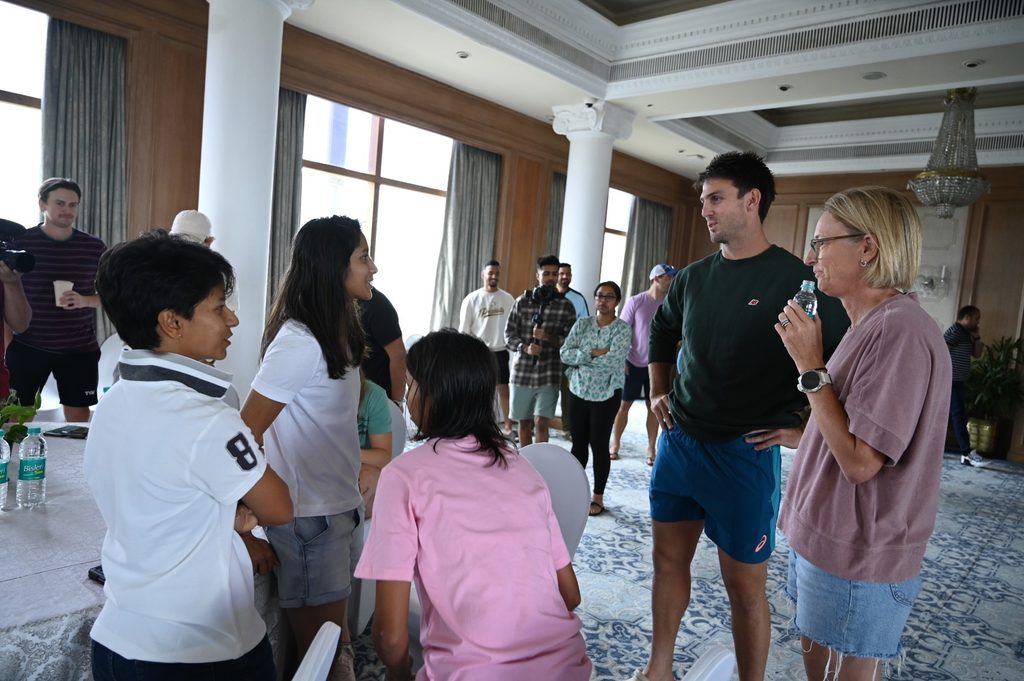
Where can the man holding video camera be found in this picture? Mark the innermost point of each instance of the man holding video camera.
(16, 310)
(61, 289)
(538, 324)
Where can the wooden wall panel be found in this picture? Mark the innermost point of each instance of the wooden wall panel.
(782, 227)
(523, 222)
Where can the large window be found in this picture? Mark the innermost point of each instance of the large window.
(390, 176)
(615, 230)
(22, 58)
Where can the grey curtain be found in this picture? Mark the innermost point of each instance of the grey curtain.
(470, 220)
(555, 210)
(650, 226)
(84, 128)
(284, 213)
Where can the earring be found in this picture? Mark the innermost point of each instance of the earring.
(863, 263)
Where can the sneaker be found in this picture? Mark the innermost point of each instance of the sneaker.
(975, 459)
(343, 668)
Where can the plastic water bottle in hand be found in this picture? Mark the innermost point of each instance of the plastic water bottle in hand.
(5, 458)
(32, 469)
(806, 299)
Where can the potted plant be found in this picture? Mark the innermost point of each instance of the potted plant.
(994, 390)
(10, 411)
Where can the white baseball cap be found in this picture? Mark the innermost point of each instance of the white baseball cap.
(661, 269)
(193, 225)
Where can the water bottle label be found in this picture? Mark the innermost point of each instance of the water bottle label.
(32, 469)
(3, 472)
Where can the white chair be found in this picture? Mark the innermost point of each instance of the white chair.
(49, 404)
(110, 353)
(569, 487)
(716, 664)
(410, 339)
(399, 433)
(316, 665)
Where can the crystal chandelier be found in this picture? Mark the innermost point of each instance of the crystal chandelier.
(952, 178)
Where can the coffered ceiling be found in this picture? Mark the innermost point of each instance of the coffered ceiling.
(814, 85)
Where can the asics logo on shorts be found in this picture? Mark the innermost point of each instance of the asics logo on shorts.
(760, 544)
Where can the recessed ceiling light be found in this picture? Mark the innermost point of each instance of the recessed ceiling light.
(697, 157)
(462, 54)
(875, 75)
(972, 63)
(785, 88)
(649, 106)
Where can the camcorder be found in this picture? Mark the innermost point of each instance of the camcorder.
(541, 295)
(19, 261)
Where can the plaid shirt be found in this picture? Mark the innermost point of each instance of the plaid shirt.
(559, 316)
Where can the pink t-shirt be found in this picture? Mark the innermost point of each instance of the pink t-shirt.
(638, 312)
(482, 545)
(892, 374)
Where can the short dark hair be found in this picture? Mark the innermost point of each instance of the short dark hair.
(564, 264)
(138, 279)
(457, 375)
(54, 183)
(612, 285)
(747, 171)
(546, 261)
(967, 311)
(491, 263)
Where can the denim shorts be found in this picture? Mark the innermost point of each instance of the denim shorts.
(317, 554)
(863, 619)
(731, 487)
(529, 402)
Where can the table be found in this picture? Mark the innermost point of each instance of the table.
(49, 603)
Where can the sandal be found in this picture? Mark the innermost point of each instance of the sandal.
(596, 508)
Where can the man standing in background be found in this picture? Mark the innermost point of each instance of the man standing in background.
(963, 339)
(638, 312)
(61, 338)
(484, 314)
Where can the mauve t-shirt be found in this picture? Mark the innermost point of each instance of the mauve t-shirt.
(892, 373)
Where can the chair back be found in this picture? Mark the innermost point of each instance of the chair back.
(398, 430)
(569, 487)
(317, 662)
(110, 353)
(716, 664)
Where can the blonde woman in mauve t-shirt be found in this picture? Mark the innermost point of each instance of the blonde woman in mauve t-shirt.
(863, 490)
(470, 521)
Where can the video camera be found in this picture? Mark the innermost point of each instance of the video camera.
(19, 261)
(542, 295)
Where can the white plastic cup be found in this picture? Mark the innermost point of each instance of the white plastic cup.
(60, 287)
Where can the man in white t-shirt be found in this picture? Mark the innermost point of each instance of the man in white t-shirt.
(168, 463)
(484, 314)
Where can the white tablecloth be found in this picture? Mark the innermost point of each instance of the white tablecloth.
(48, 601)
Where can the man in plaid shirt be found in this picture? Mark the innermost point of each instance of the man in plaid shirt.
(537, 369)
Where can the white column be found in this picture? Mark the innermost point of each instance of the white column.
(591, 127)
(236, 174)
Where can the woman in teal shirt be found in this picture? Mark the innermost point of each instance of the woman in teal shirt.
(595, 357)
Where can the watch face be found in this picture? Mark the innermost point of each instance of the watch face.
(810, 380)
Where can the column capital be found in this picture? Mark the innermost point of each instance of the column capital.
(598, 116)
(286, 7)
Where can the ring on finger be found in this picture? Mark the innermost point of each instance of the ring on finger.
(785, 322)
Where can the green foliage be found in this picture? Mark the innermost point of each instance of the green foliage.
(10, 411)
(994, 385)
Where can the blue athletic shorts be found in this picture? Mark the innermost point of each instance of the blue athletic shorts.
(732, 488)
(863, 619)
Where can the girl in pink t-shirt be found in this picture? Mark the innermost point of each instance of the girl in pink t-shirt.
(471, 523)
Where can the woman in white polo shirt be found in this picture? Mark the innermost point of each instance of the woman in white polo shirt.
(303, 406)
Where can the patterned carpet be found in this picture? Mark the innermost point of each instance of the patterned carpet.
(968, 622)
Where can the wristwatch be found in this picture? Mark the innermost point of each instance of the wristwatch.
(814, 380)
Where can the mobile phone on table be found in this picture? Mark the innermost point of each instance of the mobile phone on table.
(75, 432)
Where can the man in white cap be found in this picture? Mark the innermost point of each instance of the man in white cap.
(638, 312)
(194, 226)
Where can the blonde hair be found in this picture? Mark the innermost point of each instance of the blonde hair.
(890, 219)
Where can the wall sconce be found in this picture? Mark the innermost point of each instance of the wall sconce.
(932, 282)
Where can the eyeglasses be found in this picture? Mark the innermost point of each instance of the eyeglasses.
(609, 296)
(818, 241)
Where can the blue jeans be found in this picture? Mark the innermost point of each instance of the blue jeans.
(958, 415)
(255, 665)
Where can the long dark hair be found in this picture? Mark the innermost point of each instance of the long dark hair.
(313, 292)
(456, 376)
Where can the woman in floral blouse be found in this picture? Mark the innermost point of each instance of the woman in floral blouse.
(595, 357)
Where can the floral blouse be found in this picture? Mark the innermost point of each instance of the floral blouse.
(596, 379)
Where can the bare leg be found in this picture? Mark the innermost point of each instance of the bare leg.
(503, 399)
(674, 546)
(619, 426)
(76, 414)
(652, 432)
(306, 622)
(542, 428)
(820, 664)
(751, 618)
(525, 432)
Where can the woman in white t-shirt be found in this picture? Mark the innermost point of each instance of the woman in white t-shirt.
(302, 407)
